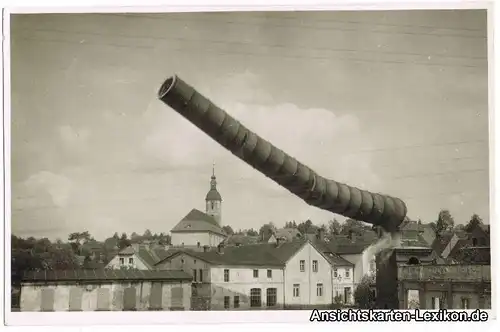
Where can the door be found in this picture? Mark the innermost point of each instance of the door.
(129, 299)
(47, 299)
(155, 298)
(75, 299)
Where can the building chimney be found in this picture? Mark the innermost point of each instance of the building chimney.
(220, 248)
(205, 248)
(320, 235)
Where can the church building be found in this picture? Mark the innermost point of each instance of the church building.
(199, 229)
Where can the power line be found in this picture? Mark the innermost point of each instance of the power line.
(418, 146)
(247, 54)
(302, 26)
(225, 42)
(282, 17)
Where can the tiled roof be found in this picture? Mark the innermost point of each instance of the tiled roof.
(199, 221)
(127, 251)
(104, 274)
(288, 233)
(332, 258)
(152, 256)
(440, 242)
(241, 239)
(342, 245)
(263, 254)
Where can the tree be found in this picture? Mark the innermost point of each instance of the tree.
(124, 241)
(474, 221)
(267, 230)
(307, 227)
(147, 234)
(78, 238)
(445, 221)
(252, 232)
(352, 226)
(228, 230)
(334, 227)
(363, 295)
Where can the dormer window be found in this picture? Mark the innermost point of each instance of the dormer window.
(188, 226)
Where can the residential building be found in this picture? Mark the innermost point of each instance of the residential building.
(105, 290)
(139, 256)
(289, 234)
(258, 276)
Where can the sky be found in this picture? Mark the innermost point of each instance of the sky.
(390, 101)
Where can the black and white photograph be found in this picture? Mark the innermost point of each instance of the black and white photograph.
(249, 160)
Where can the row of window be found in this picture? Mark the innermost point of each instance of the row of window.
(255, 298)
(255, 274)
(302, 265)
(196, 276)
(336, 273)
(130, 260)
(270, 272)
(296, 290)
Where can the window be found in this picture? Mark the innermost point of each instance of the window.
(335, 273)
(302, 266)
(226, 302)
(271, 297)
(212, 205)
(255, 273)
(319, 290)
(236, 301)
(198, 244)
(269, 273)
(122, 260)
(226, 275)
(474, 242)
(315, 266)
(194, 275)
(201, 275)
(347, 273)
(255, 297)
(465, 303)
(436, 303)
(296, 290)
(131, 260)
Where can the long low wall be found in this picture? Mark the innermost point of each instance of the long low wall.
(457, 273)
(116, 296)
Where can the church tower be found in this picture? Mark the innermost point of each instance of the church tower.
(213, 199)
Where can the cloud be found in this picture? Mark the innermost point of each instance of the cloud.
(59, 187)
(75, 140)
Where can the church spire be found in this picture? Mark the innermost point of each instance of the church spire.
(213, 199)
(213, 180)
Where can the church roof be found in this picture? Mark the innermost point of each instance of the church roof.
(197, 221)
(213, 195)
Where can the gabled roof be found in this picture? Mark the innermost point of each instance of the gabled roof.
(197, 221)
(288, 233)
(259, 254)
(241, 239)
(333, 258)
(441, 241)
(149, 256)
